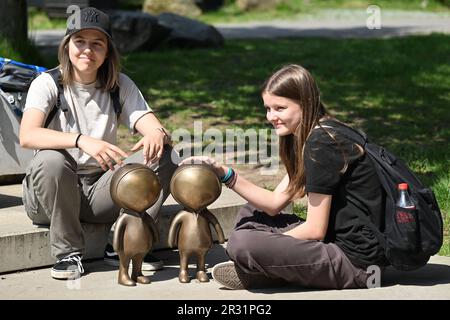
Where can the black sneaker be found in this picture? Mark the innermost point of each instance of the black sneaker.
(232, 277)
(150, 263)
(69, 267)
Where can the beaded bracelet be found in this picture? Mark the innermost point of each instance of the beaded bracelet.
(231, 183)
(229, 174)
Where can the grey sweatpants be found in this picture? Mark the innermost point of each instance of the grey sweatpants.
(54, 194)
(257, 245)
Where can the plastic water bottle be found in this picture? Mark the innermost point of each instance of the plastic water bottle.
(404, 200)
(405, 218)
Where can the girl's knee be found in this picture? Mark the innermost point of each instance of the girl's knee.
(234, 245)
(240, 244)
(52, 163)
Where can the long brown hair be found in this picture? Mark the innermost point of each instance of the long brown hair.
(107, 74)
(296, 83)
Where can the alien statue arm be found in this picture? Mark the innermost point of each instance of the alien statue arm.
(119, 232)
(151, 223)
(213, 220)
(172, 240)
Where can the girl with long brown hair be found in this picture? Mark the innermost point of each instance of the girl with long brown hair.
(332, 248)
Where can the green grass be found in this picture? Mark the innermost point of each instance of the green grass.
(298, 9)
(300, 210)
(38, 20)
(394, 89)
(289, 9)
(431, 5)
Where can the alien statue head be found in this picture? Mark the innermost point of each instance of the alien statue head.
(195, 186)
(135, 187)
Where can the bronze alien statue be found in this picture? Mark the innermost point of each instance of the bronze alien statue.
(194, 186)
(134, 188)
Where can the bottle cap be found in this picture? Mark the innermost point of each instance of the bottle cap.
(403, 186)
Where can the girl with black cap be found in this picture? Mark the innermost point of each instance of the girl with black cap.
(67, 181)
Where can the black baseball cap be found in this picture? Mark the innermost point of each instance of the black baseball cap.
(91, 18)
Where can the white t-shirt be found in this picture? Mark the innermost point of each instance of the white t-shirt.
(91, 112)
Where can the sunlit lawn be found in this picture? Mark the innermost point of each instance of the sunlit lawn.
(299, 9)
(397, 90)
(289, 9)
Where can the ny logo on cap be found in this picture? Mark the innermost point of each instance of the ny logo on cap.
(91, 16)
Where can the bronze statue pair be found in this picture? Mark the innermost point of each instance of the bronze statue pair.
(135, 188)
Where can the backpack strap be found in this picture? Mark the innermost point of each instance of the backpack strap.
(61, 102)
(357, 136)
(360, 137)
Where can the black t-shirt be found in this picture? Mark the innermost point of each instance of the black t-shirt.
(337, 167)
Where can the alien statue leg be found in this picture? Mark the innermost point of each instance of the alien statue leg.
(124, 278)
(201, 269)
(183, 276)
(137, 275)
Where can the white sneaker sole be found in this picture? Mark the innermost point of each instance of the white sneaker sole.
(65, 275)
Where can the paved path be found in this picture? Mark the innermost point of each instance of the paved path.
(429, 282)
(342, 24)
(329, 23)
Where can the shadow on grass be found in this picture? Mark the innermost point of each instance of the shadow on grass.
(394, 89)
(398, 83)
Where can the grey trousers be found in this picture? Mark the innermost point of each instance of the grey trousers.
(54, 194)
(257, 245)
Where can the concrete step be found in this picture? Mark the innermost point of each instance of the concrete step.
(24, 245)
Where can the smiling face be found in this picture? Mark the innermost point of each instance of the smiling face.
(87, 52)
(283, 113)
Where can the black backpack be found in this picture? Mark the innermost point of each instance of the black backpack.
(408, 243)
(15, 79)
(61, 102)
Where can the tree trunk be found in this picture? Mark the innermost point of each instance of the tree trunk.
(14, 20)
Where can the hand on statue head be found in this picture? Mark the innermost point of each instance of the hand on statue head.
(106, 154)
(217, 167)
(152, 146)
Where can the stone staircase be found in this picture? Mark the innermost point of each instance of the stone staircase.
(26, 246)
